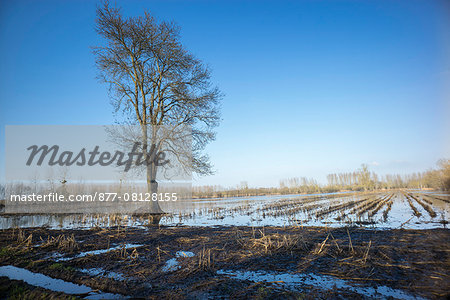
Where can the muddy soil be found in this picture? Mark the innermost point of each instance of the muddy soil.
(188, 262)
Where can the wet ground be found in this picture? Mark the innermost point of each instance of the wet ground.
(382, 210)
(226, 262)
(348, 245)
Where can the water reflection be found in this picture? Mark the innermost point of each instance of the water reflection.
(376, 210)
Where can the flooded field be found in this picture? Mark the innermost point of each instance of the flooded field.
(396, 209)
(225, 262)
(348, 245)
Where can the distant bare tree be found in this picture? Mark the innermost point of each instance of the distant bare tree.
(2, 191)
(156, 81)
(364, 177)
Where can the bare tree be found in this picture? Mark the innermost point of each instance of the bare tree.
(155, 81)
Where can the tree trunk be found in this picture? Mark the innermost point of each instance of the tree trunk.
(152, 185)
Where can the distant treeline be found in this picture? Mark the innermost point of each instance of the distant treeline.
(360, 180)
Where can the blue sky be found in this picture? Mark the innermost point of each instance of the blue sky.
(312, 87)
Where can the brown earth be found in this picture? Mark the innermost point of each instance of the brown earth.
(416, 261)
